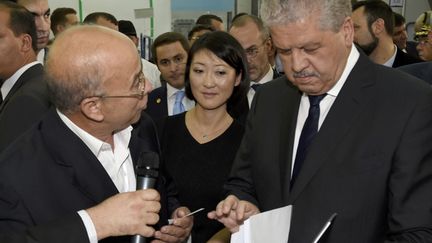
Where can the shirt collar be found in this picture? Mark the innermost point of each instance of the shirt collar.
(389, 62)
(352, 60)
(267, 77)
(95, 145)
(171, 91)
(10, 82)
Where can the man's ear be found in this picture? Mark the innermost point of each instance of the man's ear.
(91, 108)
(378, 27)
(26, 43)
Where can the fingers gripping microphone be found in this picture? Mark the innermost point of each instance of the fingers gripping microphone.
(147, 170)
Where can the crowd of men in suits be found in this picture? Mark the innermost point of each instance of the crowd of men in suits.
(72, 131)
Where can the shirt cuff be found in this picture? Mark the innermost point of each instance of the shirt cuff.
(90, 228)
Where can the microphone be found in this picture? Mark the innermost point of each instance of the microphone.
(147, 170)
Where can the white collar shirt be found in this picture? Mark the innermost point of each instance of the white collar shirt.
(389, 62)
(117, 162)
(171, 96)
(325, 104)
(266, 78)
(11, 81)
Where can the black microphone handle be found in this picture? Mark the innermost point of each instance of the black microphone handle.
(143, 182)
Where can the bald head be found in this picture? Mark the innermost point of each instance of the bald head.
(82, 60)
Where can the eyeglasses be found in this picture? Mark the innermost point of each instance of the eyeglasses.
(140, 89)
(253, 51)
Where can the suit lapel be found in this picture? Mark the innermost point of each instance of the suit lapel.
(288, 125)
(86, 172)
(31, 72)
(348, 105)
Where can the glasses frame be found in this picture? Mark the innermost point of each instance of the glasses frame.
(139, 95)
(252, 52)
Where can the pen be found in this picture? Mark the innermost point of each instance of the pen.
(171, 221)
(327, 224)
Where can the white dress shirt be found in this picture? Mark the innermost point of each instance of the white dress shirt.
(390, 61)
(10, 82)
(171, 96)
(325, 103)
(266, 78)
(117, 162)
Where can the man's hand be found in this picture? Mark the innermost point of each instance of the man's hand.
(232, 212)
(128, 213)
(178, 231)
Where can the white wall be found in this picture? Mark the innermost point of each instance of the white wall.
(125, 10)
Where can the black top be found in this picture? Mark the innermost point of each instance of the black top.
(199, 170)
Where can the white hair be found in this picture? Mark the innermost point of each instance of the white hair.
(332, 13)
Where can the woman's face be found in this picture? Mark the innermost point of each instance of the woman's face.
(212, 80)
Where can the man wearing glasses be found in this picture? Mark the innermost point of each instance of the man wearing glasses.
(85, 151)
(254, 37)
(169, 52)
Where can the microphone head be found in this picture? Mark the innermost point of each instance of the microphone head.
(148, 164)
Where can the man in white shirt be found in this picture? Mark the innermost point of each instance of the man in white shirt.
(24, 92)
(170, 52)
(41, 11)
(85, 151)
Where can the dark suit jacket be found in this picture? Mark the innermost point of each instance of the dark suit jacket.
(69, 229)
(371, 162)
(403, 58)
(157, 104)
(241, 111)
(24, 105)
(49, 173)
(422, 71)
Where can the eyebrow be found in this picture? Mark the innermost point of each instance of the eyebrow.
(37, 14)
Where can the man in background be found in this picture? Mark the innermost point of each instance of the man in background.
(62, 18)
(255, 39)
(23, 90)
(423, 35)
(212, 20)
(170, 53)
(102, 18)
(373, 25)
(41, 11)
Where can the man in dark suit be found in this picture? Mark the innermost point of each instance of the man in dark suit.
(373, 23)
(24, 92)
(85, 151)
(169, 51)
(255, 39)
(341, 135)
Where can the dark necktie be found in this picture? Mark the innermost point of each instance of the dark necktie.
(255, 86)
(308, 133)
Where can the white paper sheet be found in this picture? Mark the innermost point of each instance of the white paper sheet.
(271, 226)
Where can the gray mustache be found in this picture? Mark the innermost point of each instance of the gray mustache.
(305, 74)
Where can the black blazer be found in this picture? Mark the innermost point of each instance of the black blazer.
(49, 173)
(69, 229)
(157, 104)
(24, 105)
(371, 161)
(403, 58)
(241, 111)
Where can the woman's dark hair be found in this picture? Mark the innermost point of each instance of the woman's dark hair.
(227, 48)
